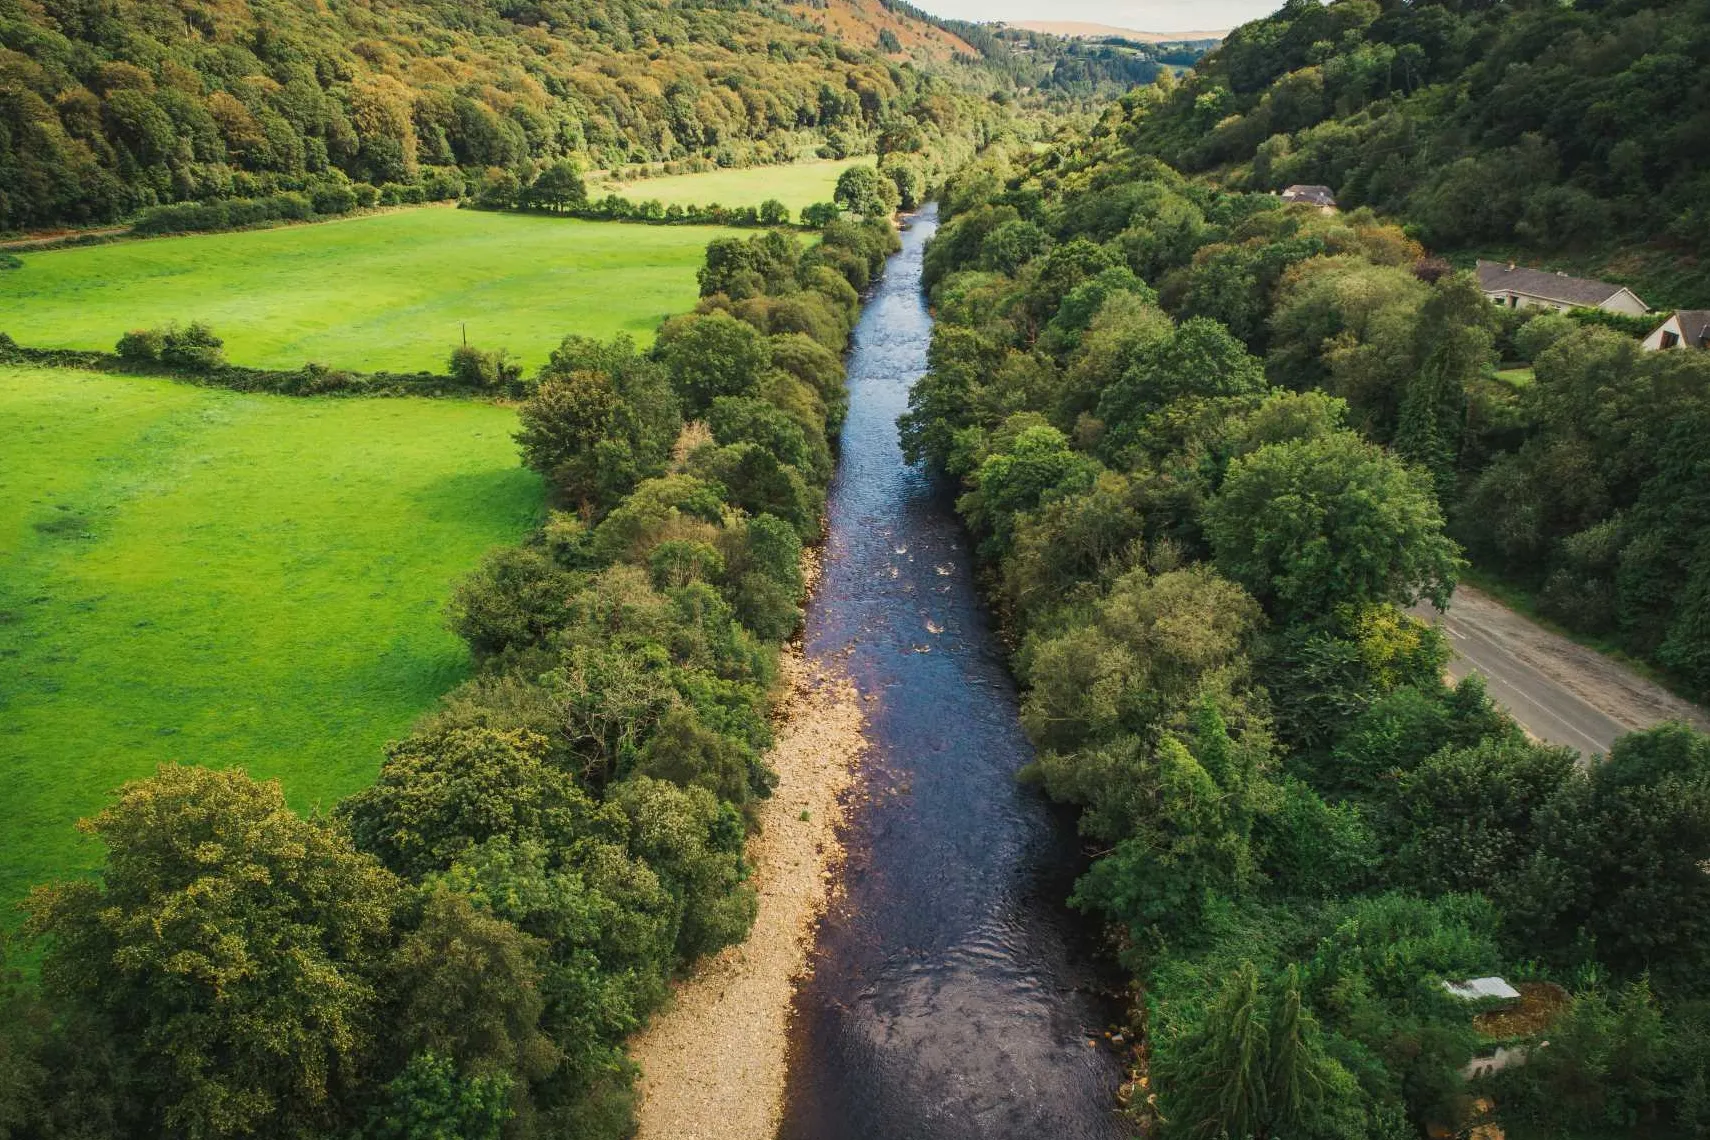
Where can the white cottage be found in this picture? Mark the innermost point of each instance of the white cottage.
(1516, 287)
(1686, 328)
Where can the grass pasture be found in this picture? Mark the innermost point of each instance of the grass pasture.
(386, 291)
(197, 575)
(796, 185)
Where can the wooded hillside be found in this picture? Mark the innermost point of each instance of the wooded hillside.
(109, 106)
(1555, 125)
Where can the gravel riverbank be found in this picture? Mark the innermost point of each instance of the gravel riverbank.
(713, 1063)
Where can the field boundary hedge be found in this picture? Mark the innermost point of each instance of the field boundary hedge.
(309, 380)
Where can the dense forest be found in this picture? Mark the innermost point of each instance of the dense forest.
(1531, 122)
(111, 107)
(460, 949)
(1211, 446)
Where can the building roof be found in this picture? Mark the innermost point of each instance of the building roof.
(1695, 327)
(1317, 195)
(1495, 277)
(1482, 989)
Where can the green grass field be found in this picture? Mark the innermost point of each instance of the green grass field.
(797, 185)
(197, 575)
(383, 291)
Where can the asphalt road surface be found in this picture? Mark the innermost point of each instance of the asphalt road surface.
(1560, 692)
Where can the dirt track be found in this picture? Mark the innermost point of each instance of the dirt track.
(1560, 692)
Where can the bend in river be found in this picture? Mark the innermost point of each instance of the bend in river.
(953, 995)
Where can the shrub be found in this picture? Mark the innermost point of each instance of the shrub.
(1637, 327)
(292, 207)
(443, 185)
(193, 346)
(1539, 333)
(141, 346)
(470, 365)
(11, 261)
(365, 194)
(334, 200)
(819, 213)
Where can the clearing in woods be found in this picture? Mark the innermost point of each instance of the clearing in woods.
(797, 185)
(198, 575)
(384, 291)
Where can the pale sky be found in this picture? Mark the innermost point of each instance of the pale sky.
(1143, 15)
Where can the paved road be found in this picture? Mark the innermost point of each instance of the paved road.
(1560, 692)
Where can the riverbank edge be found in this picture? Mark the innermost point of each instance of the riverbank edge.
(714, 1063)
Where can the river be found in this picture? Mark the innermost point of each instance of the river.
(953, 995)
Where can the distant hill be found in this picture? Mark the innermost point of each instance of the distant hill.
(109, 107)
(1080, 29)
(862, 24)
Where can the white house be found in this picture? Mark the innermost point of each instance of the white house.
(1687, 328)
(1319, 196)
(1516, 287)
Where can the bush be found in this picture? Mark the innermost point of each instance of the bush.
(444, 185)
(1637, 327)
(470, 365)
(334, 200)
(819, 213)
(11, 261)
(1539, 333)
(141, 346)
(193, 346)
(365, 194)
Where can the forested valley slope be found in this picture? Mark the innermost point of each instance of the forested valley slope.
(113, 106)
(1556, 128)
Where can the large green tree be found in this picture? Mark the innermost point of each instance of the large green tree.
(866, 191)
(1311, 525)
(230, 949)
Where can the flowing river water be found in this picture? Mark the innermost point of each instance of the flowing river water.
(953, 996)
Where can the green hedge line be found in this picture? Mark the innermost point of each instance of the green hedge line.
(309, 380)
(327, 201)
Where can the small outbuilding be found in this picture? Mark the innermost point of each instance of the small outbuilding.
(1517, 287)
(1685, 328)
(1483, 989)
(1319, 196)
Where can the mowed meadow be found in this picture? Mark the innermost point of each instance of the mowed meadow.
(392, 291)
(202, 576)
(797, 185)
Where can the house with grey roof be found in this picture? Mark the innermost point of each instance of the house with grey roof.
(1319, 196)
(1686, 328)
(1517, 287)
